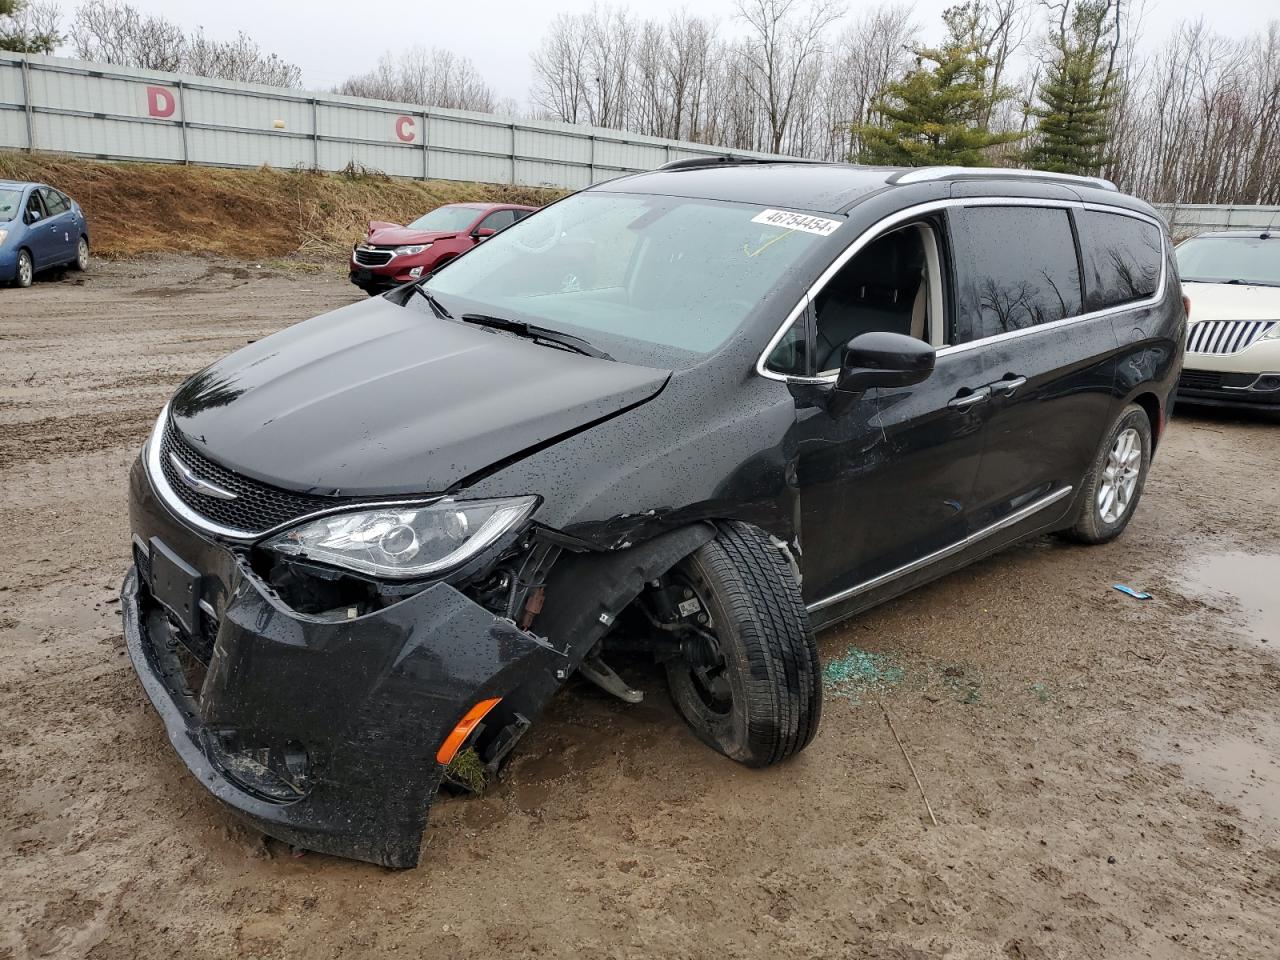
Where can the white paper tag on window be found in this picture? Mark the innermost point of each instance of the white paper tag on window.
(797, 221)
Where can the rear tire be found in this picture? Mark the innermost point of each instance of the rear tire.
(81, 262)
(763, 700)
(25, 272)
(1114, 483)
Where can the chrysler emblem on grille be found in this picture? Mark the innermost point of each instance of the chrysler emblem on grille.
(199, 484)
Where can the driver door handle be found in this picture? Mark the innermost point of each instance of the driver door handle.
(1008, 386)
(964, 401)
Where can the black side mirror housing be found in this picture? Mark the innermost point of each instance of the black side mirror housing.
(880, 359)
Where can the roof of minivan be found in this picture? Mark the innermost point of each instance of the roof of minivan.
(834, 187)
(826, 187)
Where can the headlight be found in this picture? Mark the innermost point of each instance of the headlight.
(405, 542)
(1272, 334)
(409, 251)
(3, 235)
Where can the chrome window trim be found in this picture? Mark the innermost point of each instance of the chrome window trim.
(173, 503)
(949, 551)
(909, 213)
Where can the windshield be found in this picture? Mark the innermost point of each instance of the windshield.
(1219, 259)
(9, 201)
(446, 218)
(637, 275)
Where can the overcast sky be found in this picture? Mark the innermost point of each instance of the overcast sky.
(332, 39)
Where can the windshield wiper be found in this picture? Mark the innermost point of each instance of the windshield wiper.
(533, 332)
(436, 306)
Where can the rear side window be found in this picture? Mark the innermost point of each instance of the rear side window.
(1015, 268)
(499, 220)
(1122, 257)
(55, 202)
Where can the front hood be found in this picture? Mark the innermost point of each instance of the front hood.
(376, 399)
(1232, 301)
(388, 234)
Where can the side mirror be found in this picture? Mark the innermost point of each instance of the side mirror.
(32, 216)
(482, 233)
(881, 359)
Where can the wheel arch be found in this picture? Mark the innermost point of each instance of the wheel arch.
(1150, 403)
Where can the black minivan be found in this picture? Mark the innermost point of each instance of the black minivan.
(692, 415)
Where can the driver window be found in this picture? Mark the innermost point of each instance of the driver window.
(35, 209)
(892, 285)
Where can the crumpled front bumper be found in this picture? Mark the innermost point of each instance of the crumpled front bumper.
(323, 733)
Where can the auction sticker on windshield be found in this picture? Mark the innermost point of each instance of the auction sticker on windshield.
(797, 221)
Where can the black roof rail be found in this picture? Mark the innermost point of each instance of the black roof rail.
(694, 163)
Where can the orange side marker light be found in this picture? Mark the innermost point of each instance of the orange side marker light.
(454, 741)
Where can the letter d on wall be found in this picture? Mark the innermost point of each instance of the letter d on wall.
(160, 102)
(404, 129)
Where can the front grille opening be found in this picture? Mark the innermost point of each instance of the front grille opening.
(373, 258)
(257, 506)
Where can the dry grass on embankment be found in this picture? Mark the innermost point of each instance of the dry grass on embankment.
(136, 208)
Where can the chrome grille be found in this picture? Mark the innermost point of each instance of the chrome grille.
(1222, 337)
(372, 257)
(257, 506)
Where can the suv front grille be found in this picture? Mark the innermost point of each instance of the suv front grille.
(368, 257)
(257, 507)
(1223, 337)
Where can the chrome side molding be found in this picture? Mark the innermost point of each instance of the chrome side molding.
(1016, 517)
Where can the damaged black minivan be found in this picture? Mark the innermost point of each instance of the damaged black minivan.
(692, 414)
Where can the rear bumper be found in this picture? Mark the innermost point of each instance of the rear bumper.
(321, 733)
(1225, 389)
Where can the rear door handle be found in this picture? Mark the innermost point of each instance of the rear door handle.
(964, 401)
(1007, 386)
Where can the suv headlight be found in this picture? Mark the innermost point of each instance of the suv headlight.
(409, 251)
(403, 542)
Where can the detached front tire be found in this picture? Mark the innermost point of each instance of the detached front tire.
(760, 700)
(1114, 483)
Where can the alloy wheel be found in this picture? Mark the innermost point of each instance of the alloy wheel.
(82, 254)
(24, 269)
(1120, 476)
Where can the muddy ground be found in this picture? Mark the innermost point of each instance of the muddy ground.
(1105, 772)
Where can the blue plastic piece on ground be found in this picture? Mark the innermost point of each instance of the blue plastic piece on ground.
(1136, 594)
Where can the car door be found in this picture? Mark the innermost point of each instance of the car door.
(885, 484)
(39, 235)
(1049, 367)
(60, 222)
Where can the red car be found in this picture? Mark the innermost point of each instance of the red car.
(391, 254)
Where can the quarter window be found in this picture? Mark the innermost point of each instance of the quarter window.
(1016, 268)
(1122, 257)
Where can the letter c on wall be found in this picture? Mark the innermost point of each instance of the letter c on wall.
(404, 129)
(160, 102)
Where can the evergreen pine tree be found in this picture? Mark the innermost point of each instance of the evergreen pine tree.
(932, 116)
(1075, 100)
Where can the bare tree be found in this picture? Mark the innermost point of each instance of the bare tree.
(107, 31)
(784, 41)
(430, 77)
(29, 27)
